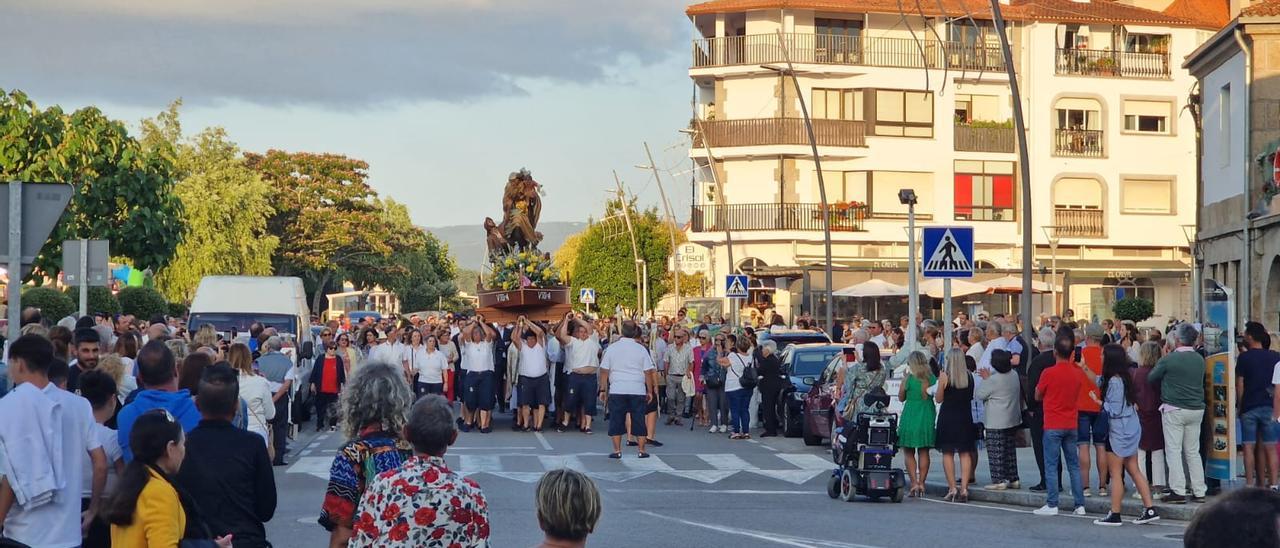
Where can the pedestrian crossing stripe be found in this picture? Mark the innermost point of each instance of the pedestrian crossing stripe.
(948, 256)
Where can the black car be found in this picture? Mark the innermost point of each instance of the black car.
(802, 364)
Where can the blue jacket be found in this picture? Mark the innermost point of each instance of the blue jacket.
(712, 371)
(179, 404)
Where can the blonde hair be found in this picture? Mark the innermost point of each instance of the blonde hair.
(1149, 353)
(957, 372)
(35, 329)
(206, 335)
(918, 364)
(240, 358)
(568, 504)
(113, 365)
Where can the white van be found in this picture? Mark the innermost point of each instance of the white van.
(233, 303)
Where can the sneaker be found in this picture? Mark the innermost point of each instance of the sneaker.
(997, 486)
(1087, 493)
(653, 443)
(1046, 510)
(1198, 500)
(1102, 492)
(1148, 515)
(713, 430)
(1079, 511)
(1174, 498)
(1015, 484)
(1137, 495)
(1112, 519)
(724, 429)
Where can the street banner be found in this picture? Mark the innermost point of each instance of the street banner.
(1218, 329)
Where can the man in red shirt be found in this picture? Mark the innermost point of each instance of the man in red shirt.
(1093, 422)
(1058, 391)
(327, 378)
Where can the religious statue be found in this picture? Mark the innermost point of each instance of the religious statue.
(521, 207)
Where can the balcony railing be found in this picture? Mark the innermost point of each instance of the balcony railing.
(984, 139)
(779, 131)
(1078, 223)
(831, 49)
(1078, 142)
(1123, 64)
(792, 216)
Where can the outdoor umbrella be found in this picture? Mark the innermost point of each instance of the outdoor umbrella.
(872, 288)
(1013, 285)
(959, 288)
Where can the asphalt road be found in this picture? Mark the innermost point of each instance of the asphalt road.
(699, 490)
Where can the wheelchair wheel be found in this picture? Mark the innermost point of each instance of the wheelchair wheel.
(898, 494)
(833, 486)
(848, 485)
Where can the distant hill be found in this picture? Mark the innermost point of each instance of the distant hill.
(466, 242)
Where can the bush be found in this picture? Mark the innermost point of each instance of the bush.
(1133, 309)
(100, 299)
(178, 310)
(142, 302)
(52, 303)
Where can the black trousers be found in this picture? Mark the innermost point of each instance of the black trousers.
(280, 427)
(769, 407)
(323, 401)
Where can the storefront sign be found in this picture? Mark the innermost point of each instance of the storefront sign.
(693, 259)
(1119, 273)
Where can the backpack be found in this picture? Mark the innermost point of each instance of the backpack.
(749, 377)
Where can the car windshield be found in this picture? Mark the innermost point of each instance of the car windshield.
(225, 321)
(810, 363)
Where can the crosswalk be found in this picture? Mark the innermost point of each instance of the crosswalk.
(704, 468)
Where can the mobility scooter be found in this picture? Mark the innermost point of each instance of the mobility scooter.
(864, 451)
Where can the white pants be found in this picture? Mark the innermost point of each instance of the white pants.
(1156, 472)
(754, 409)
(1182, 442)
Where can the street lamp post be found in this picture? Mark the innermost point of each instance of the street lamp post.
(1197, 289)
(908, 197)
(1051, 234)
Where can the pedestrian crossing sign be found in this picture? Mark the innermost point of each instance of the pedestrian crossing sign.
(735, 286)
(948, 252)
(587, 295)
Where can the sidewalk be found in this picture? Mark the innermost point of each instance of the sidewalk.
(936, 485)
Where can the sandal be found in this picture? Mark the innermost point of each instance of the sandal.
(642, 455)
(963, 497)
(615, 455)
(951, 496)
(586, 431)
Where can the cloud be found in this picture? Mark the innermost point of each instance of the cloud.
(334, 54)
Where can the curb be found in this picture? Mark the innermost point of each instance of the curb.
(1094, 505)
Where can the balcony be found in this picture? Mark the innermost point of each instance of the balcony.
(1119, 64)
(744, 217)
(1078, 223)
(779, 131)
(830, 49)
(1078, 142)
(969, 138)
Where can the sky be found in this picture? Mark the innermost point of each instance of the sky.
(443, 98)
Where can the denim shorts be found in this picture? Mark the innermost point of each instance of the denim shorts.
(1257, 420)
(1092, 428)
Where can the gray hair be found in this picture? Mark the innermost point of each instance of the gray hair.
(105, 334)
(1187, 334)
(1008, 329)
(431, 428)
(769, 345)
(860, 335)
(1046, 337)
(376, 394)
(273, 344)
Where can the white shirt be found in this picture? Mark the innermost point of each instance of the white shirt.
(678, 359)
(255, 390)
(450, 351)
(111, 445)
(430, 366)
(999, 343)
(878, 339)
(626, 361)
(732, 378)
(660, 350)
(384, 353)
(555, 353)
(57, 524)
(533, 360)
(413, 356)
(580, 353)
(477, 356)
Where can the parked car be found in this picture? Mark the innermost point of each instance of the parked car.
(819, 405)
(802, 364)
(785, 337)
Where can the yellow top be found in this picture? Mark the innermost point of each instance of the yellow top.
(158, 520)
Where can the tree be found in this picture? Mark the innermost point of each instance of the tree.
(326, 216)
(1133, 309)
(142, 302)
(225, 208)
(567, 254)
(418, 268)
(53, 304)
(100, 299)
(124, 190)
(605, 261)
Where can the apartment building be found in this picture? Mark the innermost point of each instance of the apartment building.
(915, 95)
(1239, 100)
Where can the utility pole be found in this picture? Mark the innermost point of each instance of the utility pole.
(671, 226)
(635, 252)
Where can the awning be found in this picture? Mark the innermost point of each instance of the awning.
(872, 288)
(1122, 269)
(1013, 284)
(959, 288)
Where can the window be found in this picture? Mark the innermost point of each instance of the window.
(1077, 193)
(1146, 196)
(1146, 43)
(837, 40)
(1224, 125)
(843, 186)
(837, 27)
(1147, 116)
(883, 186)
(984, 191)
(977, 107)
(837, 104)
(904, 113)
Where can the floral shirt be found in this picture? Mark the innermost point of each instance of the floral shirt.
(355, 466)
(420, 505)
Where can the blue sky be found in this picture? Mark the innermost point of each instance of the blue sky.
(442, 97)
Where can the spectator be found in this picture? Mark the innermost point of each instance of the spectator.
(739, 396)
(1241, 518)
(374, 408)
(568, 508)
(1181, 378)
(328, 376)
(87, 348)
(713, 379)
(192, 370)
(445, 508)
(1151, 444)
(956, 433)
(226, 468)
(281, 376)
(861, 378)
(1255, 369)
(147, 510)
(769, 368)
(97, 387)
(116, 368)
(35, 440)
(679, 359)
(159, 378)
(61, 338)
(1092, 422)
(916, 427)
(255, 390)
(1124, 431)
(1044, 359)
(1002, 397)
(1058, 391)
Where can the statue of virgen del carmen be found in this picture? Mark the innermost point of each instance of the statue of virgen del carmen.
(520, 279)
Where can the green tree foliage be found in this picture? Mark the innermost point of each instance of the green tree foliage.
(53, 304)
(124, 190)
(142, 302)
(225, 208)
(1133, 309)
(605, 261)
(418, 268)
(101, 299)
(326, 215)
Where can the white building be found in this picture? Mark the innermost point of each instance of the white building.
(901, 100)
(1240, 119)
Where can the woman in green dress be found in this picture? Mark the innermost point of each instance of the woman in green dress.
(916, 425)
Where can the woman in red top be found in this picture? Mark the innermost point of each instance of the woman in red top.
(327, 377)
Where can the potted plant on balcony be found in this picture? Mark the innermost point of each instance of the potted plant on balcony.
(1105, 66)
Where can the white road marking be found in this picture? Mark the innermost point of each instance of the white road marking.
(503, 448)
(617, 476)
(523, 477)
(472, 464)
(787, 540)
(791, 476)
(1063, 513)
(724, 491)
(651, 464)
(543, 440)
(308, 465)
(805, 461)
(704, 476)
(726, 461)
(553, 462)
